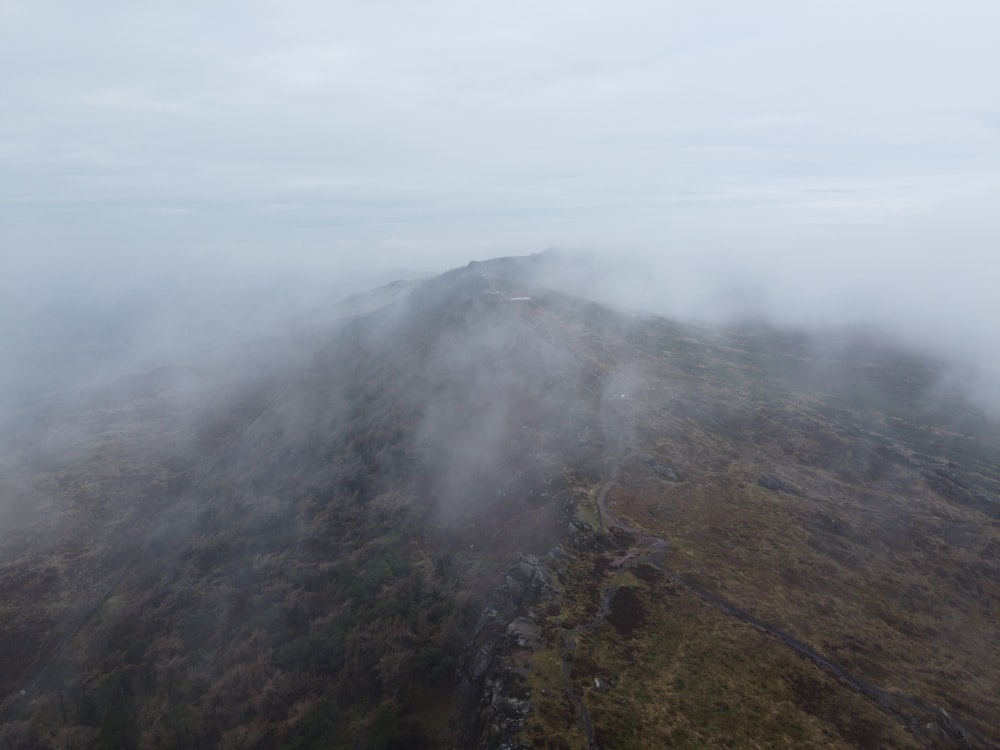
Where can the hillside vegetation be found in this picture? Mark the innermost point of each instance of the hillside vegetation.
(481, 513)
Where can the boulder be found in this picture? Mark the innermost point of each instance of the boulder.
(665, 472)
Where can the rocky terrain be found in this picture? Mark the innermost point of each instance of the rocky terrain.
(477, 512)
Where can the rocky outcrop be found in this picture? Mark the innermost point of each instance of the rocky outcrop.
(951, 484)
(662, 470)
(771, 482)
(493, 699)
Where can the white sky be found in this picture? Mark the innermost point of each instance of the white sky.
(825, 160)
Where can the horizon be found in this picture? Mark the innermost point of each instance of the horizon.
(807, 165)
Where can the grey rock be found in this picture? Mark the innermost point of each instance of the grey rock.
(665, 472)
(493, 698)
(949, 726)
(515, 587)
(771, 482)
(481, 663)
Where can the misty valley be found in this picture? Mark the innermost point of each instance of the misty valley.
(479, 511)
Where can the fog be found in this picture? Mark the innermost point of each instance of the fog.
(175, 176)
(193, 195)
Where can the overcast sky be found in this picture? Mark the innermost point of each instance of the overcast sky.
(822, 160)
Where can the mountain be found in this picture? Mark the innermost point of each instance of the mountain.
(475, 511)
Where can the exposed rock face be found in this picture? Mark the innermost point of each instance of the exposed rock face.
(665, 472)
(662, 470)
(948, 482)
(951, 728)
(771, 482)
(493, 700)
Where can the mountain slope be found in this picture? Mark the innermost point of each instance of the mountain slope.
(481, 512)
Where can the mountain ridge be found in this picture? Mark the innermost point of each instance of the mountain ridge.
(286, 556)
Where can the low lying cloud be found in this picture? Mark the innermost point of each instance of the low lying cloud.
(171, 173)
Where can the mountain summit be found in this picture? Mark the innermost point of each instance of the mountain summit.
(474, 511)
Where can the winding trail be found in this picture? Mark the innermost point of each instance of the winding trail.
(912, 713)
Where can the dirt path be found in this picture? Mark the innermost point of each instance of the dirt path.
(914, 715)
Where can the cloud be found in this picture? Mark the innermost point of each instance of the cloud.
(821, 162)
